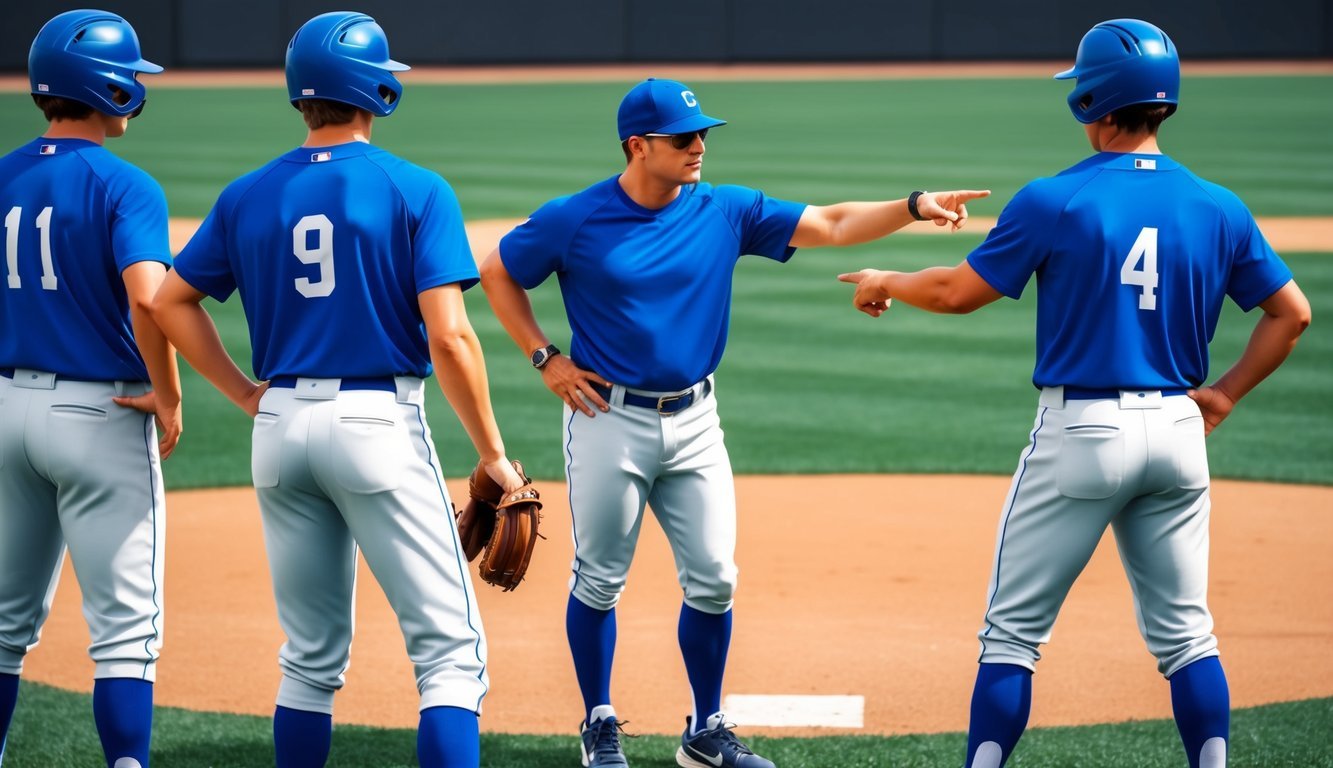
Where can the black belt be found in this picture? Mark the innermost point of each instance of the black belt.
(1084, 393)
(665, 405)
(381, 383)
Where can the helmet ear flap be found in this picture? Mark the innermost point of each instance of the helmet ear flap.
(344, 57)
(1119, 63)
(91, 57)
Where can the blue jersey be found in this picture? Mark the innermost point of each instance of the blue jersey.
(329, 248)
(648, 292)
(1133, 256)
(75, 216)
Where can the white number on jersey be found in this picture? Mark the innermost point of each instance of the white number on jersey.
(321, 254)
(12, 220)
(1145, 248)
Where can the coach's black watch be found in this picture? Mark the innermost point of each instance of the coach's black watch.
(543, 356)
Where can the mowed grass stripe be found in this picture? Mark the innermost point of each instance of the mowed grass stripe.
(507, 149)
(54, 727)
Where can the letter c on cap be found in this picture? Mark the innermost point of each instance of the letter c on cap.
(688, 96)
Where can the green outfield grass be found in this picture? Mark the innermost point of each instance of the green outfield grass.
(54, 727)
(807, 384)
(811, 386)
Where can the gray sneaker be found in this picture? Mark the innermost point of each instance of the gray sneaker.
(601, 744)
(716, 747)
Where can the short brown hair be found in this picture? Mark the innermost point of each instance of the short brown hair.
(59, 108)
(1137, 118)
(321, 112)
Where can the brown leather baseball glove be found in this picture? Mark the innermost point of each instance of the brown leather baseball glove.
(503, 525)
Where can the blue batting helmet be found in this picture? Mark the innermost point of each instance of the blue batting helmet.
(344, 56)
(82, 55)
(1122, 62)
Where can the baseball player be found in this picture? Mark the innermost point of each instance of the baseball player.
(645, 262)
(85, 249)
(340, 252)
(1133, 256)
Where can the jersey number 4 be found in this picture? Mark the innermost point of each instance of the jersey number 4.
(12, 220)
(321, 253)
(1145, 250)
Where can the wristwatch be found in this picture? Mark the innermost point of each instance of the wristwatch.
(543, 356)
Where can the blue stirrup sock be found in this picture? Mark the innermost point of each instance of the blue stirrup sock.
(123, 712)
(1202, 705)
(592, 642)
(1001, 702)
(9, 696)
(301, 739)
(447, 737)
(704, 640)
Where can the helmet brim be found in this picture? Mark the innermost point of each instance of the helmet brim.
(394, 66)
(146, 66)
(1068, 74)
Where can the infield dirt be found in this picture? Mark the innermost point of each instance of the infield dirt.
(884, 605)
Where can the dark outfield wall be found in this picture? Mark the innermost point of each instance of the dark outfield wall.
(253, 33)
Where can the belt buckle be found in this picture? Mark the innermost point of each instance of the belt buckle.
(665, 401)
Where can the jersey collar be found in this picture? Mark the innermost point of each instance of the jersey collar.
(315, 155)
(1133, 161)
(44, 146)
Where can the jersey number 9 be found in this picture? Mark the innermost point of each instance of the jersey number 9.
(321, 253)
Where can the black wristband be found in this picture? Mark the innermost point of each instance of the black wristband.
(911, 205)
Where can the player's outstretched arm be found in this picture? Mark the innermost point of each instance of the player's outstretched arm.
(852, 223)
(947, 290)
(460, 368)
(1286, 316)
(560, 375)
(142, 280)
(177, 312)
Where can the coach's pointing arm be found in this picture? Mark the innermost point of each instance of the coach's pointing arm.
(853, 223)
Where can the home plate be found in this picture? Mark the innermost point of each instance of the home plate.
(806, 711)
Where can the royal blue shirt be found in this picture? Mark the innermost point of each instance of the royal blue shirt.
(648, 292)
(1133, 256)
(329, 248)
(75, 216)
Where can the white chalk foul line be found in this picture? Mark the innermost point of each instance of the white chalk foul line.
(792, 711)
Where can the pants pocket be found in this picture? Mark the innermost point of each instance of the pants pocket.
(368, 453)
(1191, 454)
(266, 450)
(1092, 461)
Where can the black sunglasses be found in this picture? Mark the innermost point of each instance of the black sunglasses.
(679, 140)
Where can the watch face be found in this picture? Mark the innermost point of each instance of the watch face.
(539, 357)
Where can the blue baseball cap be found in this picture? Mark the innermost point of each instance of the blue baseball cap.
(661, 106)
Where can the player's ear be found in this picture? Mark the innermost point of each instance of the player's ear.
(637, 146)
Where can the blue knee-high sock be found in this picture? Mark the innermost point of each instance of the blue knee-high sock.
(704, 640)
(123, 711)
(9, 696)
(592, 641)
(1202, 705)
(447, 738)
(301, 739)
(1001, 702)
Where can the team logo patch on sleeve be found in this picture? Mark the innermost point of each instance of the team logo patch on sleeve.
(1145, 164)
(321, 157)
(47, 149)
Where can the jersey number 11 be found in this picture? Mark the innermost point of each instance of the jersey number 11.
(12, 220)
